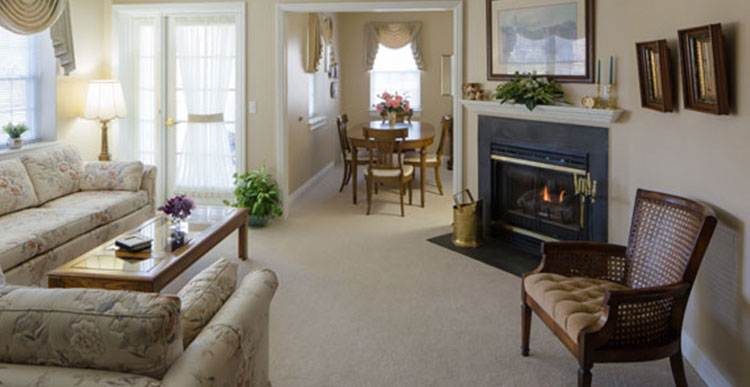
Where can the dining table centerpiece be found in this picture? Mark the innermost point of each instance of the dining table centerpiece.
(394, 107)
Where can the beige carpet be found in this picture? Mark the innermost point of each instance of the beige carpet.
(367, 301)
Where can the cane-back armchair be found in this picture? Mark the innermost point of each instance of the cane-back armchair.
(610, 303)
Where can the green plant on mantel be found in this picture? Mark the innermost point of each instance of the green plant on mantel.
(530, 90)
(259, 193)
(15, 131)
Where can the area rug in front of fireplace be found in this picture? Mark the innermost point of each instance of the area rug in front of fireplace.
(495, 253)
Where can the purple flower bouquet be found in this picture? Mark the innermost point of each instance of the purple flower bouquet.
(178, 208)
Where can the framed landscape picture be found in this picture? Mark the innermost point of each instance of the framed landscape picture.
(704, 69)
(550, 37)
(655, 74)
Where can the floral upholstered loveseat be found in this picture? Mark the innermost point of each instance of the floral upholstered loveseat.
(54, 207)
(94, 337)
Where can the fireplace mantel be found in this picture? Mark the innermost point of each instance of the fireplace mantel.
(597, 117)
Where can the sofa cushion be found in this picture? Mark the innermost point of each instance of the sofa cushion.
(16, 190)
(110, 205)
(112, 175)
(132, 332)
(33, 231)
(575, 303)
(55, 172)
(204, 295)
(46, 376)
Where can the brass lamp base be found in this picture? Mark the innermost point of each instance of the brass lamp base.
(105, 156)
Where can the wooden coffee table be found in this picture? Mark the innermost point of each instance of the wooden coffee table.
(101, 268)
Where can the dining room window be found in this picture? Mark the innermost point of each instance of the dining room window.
(396, 71)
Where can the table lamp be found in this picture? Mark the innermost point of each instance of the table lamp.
(105, 102)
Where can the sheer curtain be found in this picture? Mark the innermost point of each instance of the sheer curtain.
(205, 54)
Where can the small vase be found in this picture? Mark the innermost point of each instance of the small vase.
(15, 143)
(177, 234)
(392, 118)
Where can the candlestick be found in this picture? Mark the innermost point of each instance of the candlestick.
(612, 101)
(599, 71)
(611, 65)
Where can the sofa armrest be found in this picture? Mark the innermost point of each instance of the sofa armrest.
(233, 348)
(148, 183)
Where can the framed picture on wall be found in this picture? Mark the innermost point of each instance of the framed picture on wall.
(554, 38)
(655, 75)
(704, 69)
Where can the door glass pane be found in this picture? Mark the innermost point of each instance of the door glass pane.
(205, 57)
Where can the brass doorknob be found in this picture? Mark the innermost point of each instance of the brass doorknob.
(170, 121)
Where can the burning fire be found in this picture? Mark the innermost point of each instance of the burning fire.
(547, 198)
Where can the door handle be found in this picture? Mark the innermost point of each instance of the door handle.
(170, 121)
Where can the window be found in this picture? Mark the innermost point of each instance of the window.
(19, 83)
(394, 71)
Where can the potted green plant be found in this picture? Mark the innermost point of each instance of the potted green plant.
(14, 133)
(530, 90)
(259, 193)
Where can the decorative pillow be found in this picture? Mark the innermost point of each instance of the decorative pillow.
(112, 175)
(138, 333)
(16, 190)
(204, 295)
(54, 173)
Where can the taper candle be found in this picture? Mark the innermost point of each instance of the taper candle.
(611, 66)
(599, 71)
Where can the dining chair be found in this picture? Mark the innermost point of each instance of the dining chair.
(383, 145)
(346, 151)
(609, 303)
(433, 160)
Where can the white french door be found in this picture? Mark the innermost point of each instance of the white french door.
(182, 73)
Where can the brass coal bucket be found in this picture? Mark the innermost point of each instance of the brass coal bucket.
(467, 221)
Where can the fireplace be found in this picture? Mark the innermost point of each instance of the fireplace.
(542, 181)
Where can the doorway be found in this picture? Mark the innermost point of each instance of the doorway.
(182, 71)
(283, 13)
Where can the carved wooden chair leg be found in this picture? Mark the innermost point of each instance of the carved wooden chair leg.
(437, 180)
(350, 169)
(345, 177)
(401, 196)
(410, 185)
(678, 369)
(369, 194)
(525, 328)
(585, 364)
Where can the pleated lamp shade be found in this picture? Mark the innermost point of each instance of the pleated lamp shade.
(105, 101)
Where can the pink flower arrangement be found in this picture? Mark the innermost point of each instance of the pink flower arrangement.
(392, 103)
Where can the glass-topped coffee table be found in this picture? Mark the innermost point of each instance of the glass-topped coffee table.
(102, 268)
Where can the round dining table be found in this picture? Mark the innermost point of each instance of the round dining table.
(421, 135)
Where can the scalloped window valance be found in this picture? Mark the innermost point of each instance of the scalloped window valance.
(26, 17)
(393, 35)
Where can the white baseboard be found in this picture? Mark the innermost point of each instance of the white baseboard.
(311, 182)
(702, 364)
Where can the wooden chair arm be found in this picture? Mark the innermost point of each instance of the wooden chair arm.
(584, 259)
(642, 316)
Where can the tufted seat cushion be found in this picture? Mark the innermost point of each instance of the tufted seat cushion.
(575, 303)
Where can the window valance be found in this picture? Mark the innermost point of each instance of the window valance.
(393, 35)
(26, 17)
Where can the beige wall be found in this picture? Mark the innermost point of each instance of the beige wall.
(355, 79)
(309, 151)
(90, 20)
(692, 154)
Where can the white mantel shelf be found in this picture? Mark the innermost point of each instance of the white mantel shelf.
(546, 113)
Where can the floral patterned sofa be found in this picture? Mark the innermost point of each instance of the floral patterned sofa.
(54, 207)
(94, 337)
